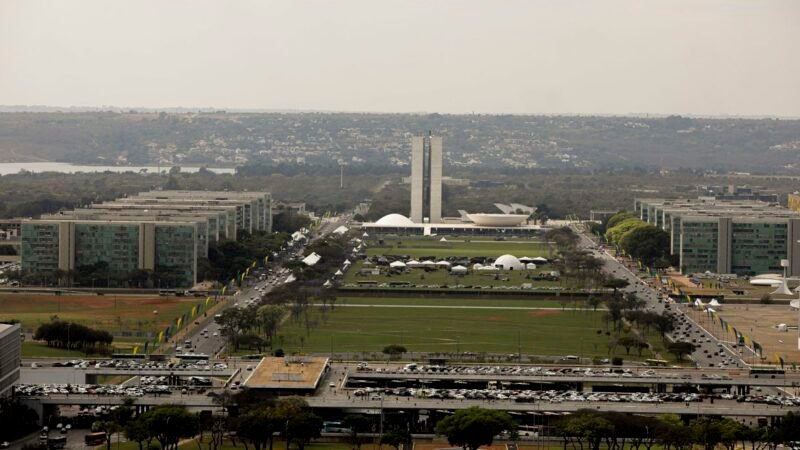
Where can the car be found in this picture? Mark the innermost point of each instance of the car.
(5, 444)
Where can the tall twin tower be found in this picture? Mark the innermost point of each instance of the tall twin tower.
(426, 178)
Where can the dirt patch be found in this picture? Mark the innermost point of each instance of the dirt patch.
(544, 313)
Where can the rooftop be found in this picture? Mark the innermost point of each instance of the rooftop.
(287, 373)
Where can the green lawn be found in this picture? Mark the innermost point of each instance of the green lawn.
(542, 332)
(451, 301)
(111, 313)
(470, 246)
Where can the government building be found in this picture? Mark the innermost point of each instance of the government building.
(742, 237)
(151, 231)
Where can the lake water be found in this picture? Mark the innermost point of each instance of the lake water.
(39, 167)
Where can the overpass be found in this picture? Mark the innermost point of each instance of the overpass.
(728, 408)
(580, 380)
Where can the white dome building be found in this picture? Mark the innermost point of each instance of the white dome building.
(394, 220)
(508, 262)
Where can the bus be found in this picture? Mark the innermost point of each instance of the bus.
(770, 371)
(92, 439)
(656, 362)
(192, 357)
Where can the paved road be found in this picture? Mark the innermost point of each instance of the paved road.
(211, 342)
(706, 343)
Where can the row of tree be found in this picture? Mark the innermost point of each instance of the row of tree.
(73, 336)
(590, 429)
(642, 241)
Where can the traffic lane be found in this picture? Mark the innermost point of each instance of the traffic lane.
(636, 285)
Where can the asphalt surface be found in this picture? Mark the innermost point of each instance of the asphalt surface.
(709, 351)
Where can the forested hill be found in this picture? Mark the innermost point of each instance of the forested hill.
(305, 140)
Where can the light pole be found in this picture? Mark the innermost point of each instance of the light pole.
(380, 429)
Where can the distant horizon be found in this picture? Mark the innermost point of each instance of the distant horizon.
(209, 109)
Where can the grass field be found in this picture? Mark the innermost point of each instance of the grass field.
(541, 332)
(112, 313)
(449, 301)
(422, 247)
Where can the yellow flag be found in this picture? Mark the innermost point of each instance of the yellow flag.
(135, 349)
(160, 336)
(254, 264)
(179, 321)
(208, 299)
(194, 310)
(223, 289)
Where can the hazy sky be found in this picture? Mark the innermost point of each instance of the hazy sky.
(460, 56)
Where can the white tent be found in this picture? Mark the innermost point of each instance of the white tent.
(413, 263)
(794, 304)
(338, 273)
(477, 266)
(397, 264)
(327, 284)
(341, 230)
(442, 263)
(488, 268)
(530, 266)
(289, 279)
(458, 269)
(715, 304)
(311, 259)
(539, 260)
(365, 234)
(428, 263)
(699, 303)
(525, 259)
(347, 262)
(443, 239)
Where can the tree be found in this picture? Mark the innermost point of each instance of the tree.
(357, 424)
(680, 349)
(394, 350)
(395, 438)
(302, 428)
(257, 426)
(646, 243)
(169, 423)
(136, 430)
(585, 425)
(470, 428)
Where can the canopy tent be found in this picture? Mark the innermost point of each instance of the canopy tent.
(458, 269)
(397, 264)
(442, 263)
(413, 263)
(530, 266)
(539, 260)
(338, 273)
(327, 284)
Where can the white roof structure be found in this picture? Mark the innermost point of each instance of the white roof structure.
(443, 239)
(428, 263)
(530, 266)
(296, 236)
(458, 269)
(794, 304)
(341, 230)
(508, 262)
(413, 263)
(289, 279)
(765, 282)
(338, 273)
(365, 234)
(539, 260)
(311, 259)
(397, 264)
(394, 220)
(443, 263)
(497, 220)
(327, 284)
(347, 262)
